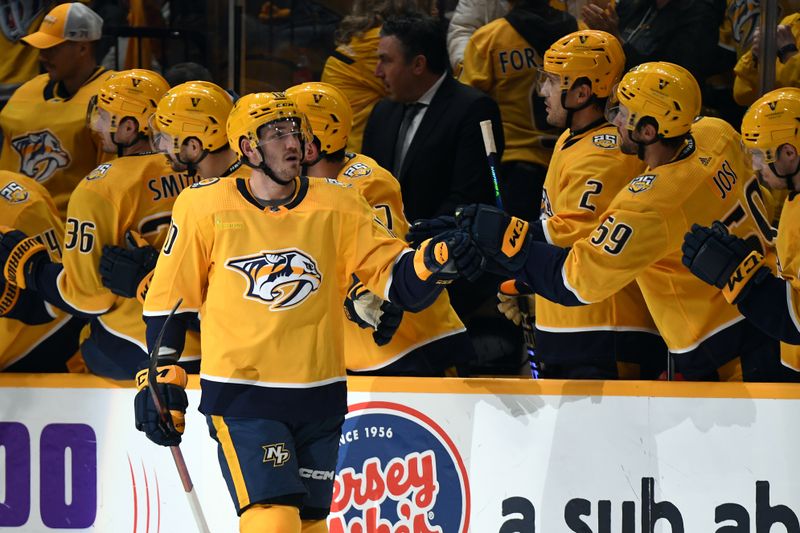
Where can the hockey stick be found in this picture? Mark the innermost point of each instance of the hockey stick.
(167, 426)
(522, 301)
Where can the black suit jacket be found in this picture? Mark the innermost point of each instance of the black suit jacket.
(446, 163)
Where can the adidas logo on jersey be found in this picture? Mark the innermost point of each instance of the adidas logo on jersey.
(281, 278)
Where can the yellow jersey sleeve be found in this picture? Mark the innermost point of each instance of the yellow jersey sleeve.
(92, 222)
(27, 206)
(371, 250)
(184, 263)
(379, 188)
(477, 69)
(621, 246)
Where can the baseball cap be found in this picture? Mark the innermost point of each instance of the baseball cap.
(67, 22)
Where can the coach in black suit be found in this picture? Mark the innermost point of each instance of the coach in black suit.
(427, 133)
(441, 161)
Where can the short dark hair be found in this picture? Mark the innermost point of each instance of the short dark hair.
(419, 34)
(189, 71)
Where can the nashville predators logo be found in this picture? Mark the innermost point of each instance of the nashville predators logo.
(40, 155)
(641, 183)
(281, 278)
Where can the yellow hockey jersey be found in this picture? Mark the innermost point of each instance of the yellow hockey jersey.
(351, 68)
(501, 63)
(640, 235)
(585, 174)
(745, 86)
(45, 135)
(136, 193)
(20, 61)
(788, 249)
(269, 283)
(382, 191)
(25, 205)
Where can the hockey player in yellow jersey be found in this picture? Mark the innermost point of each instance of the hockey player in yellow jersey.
(502, 59)
(44, 131)
(188, 128)
(33, 336)
(770, 132)
(268, 261)
(20, 62)
(131, 195)
(614, 337)
(695, 173)
(422, 344)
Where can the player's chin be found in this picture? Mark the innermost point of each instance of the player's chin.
(290, 170)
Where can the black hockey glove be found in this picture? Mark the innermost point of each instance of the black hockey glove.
(127, 271)
(723, 260)
(424, 229)
(171, 382)
(501, 238)
(448, 256)
(20, 257)
(24, 305)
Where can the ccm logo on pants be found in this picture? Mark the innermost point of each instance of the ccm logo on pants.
(319, 475)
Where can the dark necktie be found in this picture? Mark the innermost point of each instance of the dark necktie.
(409, 112)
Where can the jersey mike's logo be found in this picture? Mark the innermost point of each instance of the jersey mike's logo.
(281, 278)
(40, 154)
(398, 472)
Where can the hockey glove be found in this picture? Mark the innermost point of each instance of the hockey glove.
(509, 295)
(20, 256)
(127, 271)
(722, 260)
(24, 305)
(424, 229)
(501, 238)
(171, 382)
(448, 256)
(370, 311)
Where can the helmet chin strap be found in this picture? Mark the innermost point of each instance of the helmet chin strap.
(265, 168)
(571, 110)
(641, 144)
(788, 177)
(122, 146)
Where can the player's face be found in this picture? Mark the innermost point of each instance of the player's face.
(282, 146)
(394, 71)
(100, 124)
(162, 142)
(550, 89)
(786, 164)
(618, 116)
(59, 61)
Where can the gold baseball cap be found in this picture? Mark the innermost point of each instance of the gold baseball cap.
(67, 22)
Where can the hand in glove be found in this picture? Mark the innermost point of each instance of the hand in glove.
(127, 271)
(171, 382)
(370, 311)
